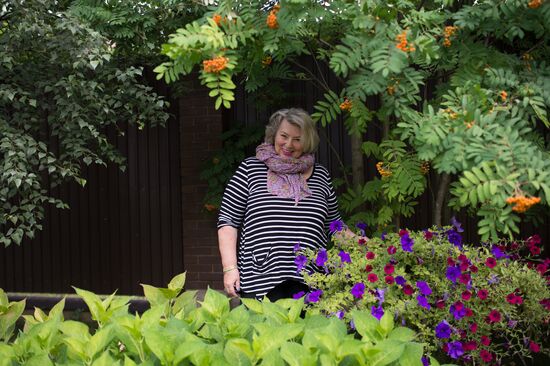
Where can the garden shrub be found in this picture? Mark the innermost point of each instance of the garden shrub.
(476, 304)
(176, 331)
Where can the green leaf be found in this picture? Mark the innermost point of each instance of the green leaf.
(297, 355)
(215, 303)
(177, 283)
(238, 351)
(366, 325)
(386, 323)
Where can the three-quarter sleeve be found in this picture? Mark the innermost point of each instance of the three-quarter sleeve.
(333, 213)
(234, 199)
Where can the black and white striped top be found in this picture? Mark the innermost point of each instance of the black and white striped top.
(270, 226)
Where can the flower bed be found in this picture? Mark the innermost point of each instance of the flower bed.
(477, 304)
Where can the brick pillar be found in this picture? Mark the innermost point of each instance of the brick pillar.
(201, 126)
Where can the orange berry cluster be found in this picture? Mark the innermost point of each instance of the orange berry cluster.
(209, 207)
(217, 18)
(390, 89)
(266, 61)
(533, 4)
(215, 65)
(503, 95)
(425, 167)
(452, 115)
(522, 203)
(448, 32)
(272, 17)
(470, 124)
(403, 44)
(346, 105)
(381, 170)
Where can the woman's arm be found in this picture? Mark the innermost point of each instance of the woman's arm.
(227, 241)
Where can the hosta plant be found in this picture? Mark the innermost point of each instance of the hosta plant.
(177, 331)
(476, 304)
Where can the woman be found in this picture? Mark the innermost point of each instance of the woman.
(275, 202)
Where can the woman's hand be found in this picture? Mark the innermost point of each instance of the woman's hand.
(231, 282)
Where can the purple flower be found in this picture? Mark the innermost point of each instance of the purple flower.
(336, 225)
(340, 314)
(454, 238)
(443, 329)
(497, 253)
(314, 296)
(358, 290)
(458, 311)
(400, 280)
(453, 272)
(422, 301)
(344, 257)
(361, 226)
(300, 262)
(298, 295)
(377, 312)
(380, 295)
(457, 225)
(455, 349)
(297, 247)
(493, 279)
(407, 243)
(424, 288)
(383, 236)
(322, 257)
(425, 361)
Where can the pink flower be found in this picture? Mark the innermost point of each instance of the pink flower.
(464, 278)
(361, 241)
(368, 268)
(491, 262)
(372, 277)
(473, 269)
(534, 250)
(450, 261)
(493, 317)
(534, 347)
(473, 327)
(403, 232)
(390, 280)
(466, 295)
(486, 341)
(542, 268)
(469, 312)
(391, 250)
(485, 355)
(462, 258)
(408, 290)
(440, 304)
(428, 235)
(389, 268)
(469, 346)
(370, 255)
(482, 294)
(464, 266)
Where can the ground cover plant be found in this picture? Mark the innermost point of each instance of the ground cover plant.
(177, 330)
(476, 304)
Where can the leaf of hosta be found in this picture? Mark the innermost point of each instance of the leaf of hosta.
(177, 283)
(412, 355)
(215, 303)
(366, 325)
(238, 351)
(297, 355)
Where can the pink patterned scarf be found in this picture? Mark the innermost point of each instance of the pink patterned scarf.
(284, 175)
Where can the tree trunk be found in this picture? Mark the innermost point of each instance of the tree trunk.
(357, 165)
(444, 181)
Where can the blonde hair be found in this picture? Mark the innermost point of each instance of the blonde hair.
(299, 118)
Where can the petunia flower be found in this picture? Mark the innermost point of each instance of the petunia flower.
(408, 290)
(400, 280)
(358, 290)
(371, 277)
(407, 243)
(491, 262)
(322, 258)
(368, 268)
(464, 278)
(380, 295)
(428, 235)
(493, 317)
(377, 312)
(457, 225)
(423, 301)
(298, 295)
(383, 236)
(485, 355)
(482, 294)
(457, 310)
(466, 295)
(484, 340)
(443, 330)
(455, 349)
(361, 226)
(469, 346)
(497, 252)
(534, 347)
(453, 273)
(454, 238)
(440, 304)
(392, 250)
(370, 255)
(389, 269)
(300, 262)
(336, 225)
(344, 257)
(424, 288)
(473, 327)
(425, 361)
(389, 280)
(297, 247)
(313, 296)
(403, 232)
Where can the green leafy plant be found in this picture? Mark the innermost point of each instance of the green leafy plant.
(477, 304)
(178, 330)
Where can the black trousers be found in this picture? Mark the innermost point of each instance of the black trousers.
(284, 290)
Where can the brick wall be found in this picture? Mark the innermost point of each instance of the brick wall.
(200, 129)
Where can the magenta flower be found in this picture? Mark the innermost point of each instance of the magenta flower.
(491, 262)
(534, 347)
(408, 290)
(482, 294)
(389, 280)
(371, 277)
(389, 269)
(485, 355)
(493, 317)
(428, 235)
(391, 250)
(370, 255)
(358, 290)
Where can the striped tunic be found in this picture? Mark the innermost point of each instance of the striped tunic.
(270, 226)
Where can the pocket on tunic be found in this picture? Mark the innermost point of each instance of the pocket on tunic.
(260, 261)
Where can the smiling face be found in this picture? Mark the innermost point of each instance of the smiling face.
(288, 140)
